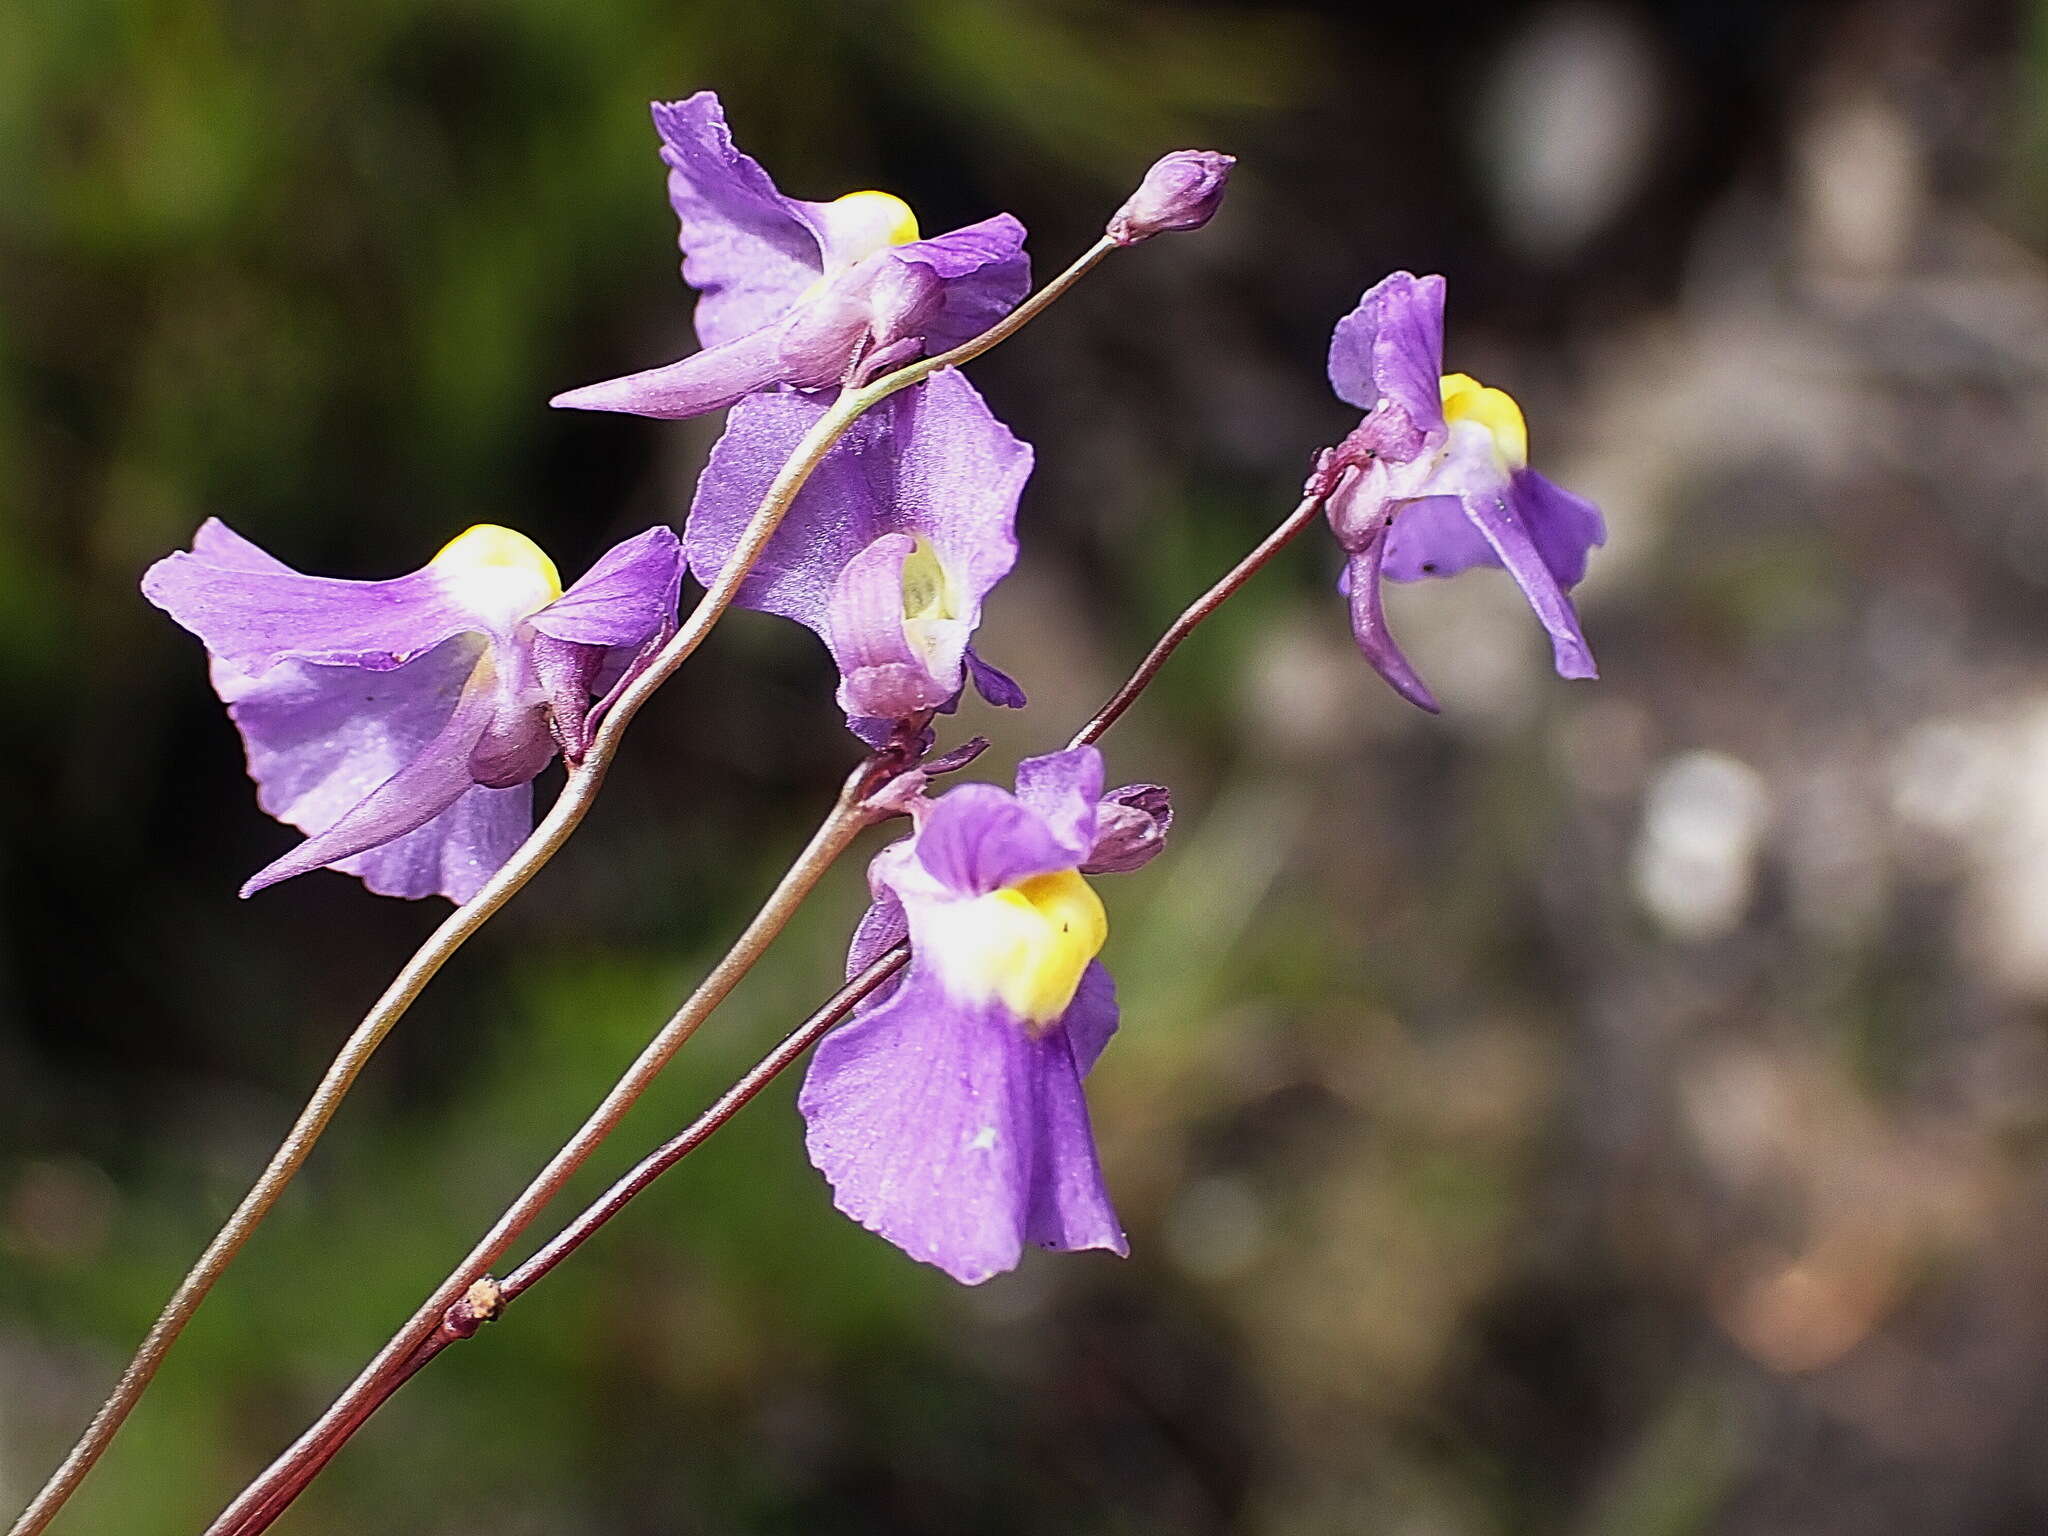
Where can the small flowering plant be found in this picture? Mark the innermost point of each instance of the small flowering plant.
(863, 489)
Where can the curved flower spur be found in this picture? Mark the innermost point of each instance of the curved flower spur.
(400, 724)
(799, 293)
(948, 1114)
(1436, 480)
(888, 551)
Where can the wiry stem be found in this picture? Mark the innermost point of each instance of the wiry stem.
(1200, 609)
(848, 816)
(468, 1299)
(563, 817)
(484, 1300)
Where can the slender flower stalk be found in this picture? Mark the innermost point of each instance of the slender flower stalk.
(469, 1297)
(850, 813)
(485, 1300)
(579, 792)
(1316, 492)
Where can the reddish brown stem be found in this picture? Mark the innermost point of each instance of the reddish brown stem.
(1200, 609)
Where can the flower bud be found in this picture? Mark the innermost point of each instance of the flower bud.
(1183, 190)
(1130, 829)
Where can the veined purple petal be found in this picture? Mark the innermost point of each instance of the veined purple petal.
(256, 611)
(1391, 348)
(218, 544)
(931, 463)
(747, 250)
(624, 598)
(1064, 789)
(280, 712)
(1499, 520)
(1432, 536)
(1566, 528)
(977, 838)
(956, 1133)
(1091, 1018)
(1369, 625)
(455, 853)
(986, 275)
(704, 381)
(882, 676)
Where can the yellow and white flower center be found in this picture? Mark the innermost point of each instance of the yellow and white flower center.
(499, 575)
(929, 600)
(1024, 946)
(863, 223)
(1466, 399)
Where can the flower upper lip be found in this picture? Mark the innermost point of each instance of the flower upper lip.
(795, 292)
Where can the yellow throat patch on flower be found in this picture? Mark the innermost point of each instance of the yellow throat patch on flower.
(876, 220)
(500, 575)
(1466, 399)
(1025, 945)
(928, 597)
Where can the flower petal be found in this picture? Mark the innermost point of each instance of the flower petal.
(986, 275)
(704, 381)
(1369, 625)
(1391, 347)
(254, 611)
(300, 714)
(747, 249)
(884, 677)
(453, 854)
(977, 838)
(1091, 1018)
(1566, 528)
(1498, 518)
(931, 462)
(622, 600)
(1432, 536)
(993, 683)
(1064, 789)
(956, 1134)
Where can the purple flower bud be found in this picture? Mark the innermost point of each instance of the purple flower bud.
(1183, 190)
(1130, 829)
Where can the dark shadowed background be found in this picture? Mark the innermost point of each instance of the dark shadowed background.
(1611, 1109)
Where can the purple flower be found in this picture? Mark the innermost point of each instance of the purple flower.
(1183, 190)
(1436, 479)
(400, 724)
(803, 293)
(889, 549)
(948, 1115)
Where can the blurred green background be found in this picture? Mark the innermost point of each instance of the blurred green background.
(1609, 1110)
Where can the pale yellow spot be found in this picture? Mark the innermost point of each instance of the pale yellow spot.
(883, 217)
(1025, 945)
(1466, 399)
(929, 599)
(501, 575)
